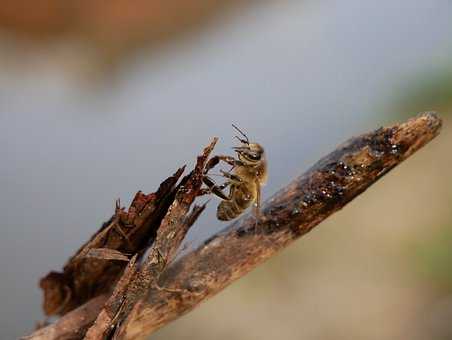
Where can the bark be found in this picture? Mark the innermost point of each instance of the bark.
(292, 212)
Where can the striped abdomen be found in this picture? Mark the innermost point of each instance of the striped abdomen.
(242, 196)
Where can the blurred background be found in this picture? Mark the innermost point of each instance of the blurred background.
(101, 99)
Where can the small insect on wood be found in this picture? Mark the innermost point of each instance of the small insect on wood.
(245, 179)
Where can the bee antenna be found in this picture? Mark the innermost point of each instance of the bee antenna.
(246, 141)
(241, 140)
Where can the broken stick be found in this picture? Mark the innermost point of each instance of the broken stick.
(324, 189)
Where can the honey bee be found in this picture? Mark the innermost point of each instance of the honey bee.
(245, 179)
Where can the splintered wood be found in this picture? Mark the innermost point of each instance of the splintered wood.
(159, 220)
(95, 268)
(134, 287)
(133, 303)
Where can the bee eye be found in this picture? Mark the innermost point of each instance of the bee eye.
(254, 157)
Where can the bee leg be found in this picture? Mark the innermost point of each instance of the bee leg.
(213, 162)
(231, 176)
(216, 189)
(257, 209)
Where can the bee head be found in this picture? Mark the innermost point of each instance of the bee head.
(250, 153)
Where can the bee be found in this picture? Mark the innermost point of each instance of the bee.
(245, 179)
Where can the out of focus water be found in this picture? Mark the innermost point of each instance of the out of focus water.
(299, 77)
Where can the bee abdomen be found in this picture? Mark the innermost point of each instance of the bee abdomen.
(228, 210)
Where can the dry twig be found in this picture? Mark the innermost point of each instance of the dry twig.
(325, 188)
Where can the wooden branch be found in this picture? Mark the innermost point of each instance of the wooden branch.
(292, 212)
(325, 188)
